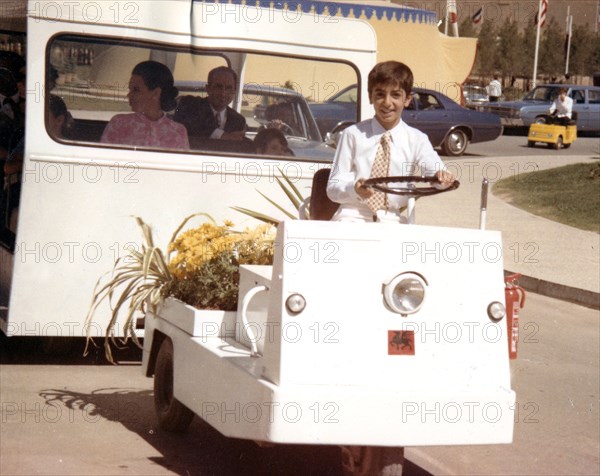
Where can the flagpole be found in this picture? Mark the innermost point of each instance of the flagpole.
(537, 44)
(569, 33)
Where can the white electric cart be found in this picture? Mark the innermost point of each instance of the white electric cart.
(370, 336)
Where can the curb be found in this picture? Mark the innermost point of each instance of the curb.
(563, 292)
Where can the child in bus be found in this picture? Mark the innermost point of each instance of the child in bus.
(151, 94)
(271, 142)
(59, 118)
(401, 150)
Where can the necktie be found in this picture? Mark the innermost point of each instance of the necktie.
(218, 119)
(381, 167)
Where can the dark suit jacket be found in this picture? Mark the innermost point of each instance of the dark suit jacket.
(196, 115)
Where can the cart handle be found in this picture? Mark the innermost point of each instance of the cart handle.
(245, 302)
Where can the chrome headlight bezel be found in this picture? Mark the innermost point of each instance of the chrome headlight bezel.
(295, 303)
(409, 285)
(496, 311)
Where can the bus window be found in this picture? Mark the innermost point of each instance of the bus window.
(92, 77)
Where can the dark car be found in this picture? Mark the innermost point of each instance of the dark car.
(535, 105)
(448, 125)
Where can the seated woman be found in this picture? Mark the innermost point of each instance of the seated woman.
(151, 94)
(271, 142)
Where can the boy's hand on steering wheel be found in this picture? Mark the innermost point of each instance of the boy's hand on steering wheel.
(446, 178)
(362, 191)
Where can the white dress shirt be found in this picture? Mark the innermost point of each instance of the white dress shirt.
(411, 154)
(219, 131)
(563, 109)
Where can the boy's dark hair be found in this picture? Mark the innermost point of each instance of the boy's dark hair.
(391, 72)
(57, 106)
(267, 135)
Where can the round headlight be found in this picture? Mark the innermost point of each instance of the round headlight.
(405, 293)
(496, 310)
(295, 303)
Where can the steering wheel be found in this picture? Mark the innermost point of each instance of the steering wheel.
(282, 126)
(378, 184)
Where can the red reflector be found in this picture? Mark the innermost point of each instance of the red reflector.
(401, 343)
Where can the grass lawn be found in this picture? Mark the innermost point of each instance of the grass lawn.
(569, 194)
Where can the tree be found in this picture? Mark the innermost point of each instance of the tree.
(525, 60)
(551, 55)
(509, 48)
(487, 57)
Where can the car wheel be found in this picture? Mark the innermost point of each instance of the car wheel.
(530, 143)
(455, 143)
(541, 120)
(559, 143)
(371, 461)
(172, 415)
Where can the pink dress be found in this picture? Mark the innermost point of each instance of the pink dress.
(137, 130)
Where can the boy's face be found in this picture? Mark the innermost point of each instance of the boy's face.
(389, 100)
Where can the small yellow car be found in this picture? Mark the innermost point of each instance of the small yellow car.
(556, 136)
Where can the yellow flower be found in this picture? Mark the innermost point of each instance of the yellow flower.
(196, 246)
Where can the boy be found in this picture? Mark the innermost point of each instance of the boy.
(389, 85)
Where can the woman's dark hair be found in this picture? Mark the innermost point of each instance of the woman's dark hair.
(267, 135)
(57, 106)
(8, 84)
(391, 72)
(157, 75)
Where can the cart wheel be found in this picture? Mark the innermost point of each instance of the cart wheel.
(566, 146)
(530, 143)
(371, 461)
(172, 415)
(559, 143)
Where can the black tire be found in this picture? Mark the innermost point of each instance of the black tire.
(530, 143)
(541, 120)
(559, 143)
(383, 462)
(455, 143)
(172, 415)
(566, 146)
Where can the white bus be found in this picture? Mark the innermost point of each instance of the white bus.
(78, 196)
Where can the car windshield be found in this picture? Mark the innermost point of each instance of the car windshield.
(348, 95)
(262, 106)
(542, 93)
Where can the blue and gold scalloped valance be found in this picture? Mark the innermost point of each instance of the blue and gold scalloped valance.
(345, 9)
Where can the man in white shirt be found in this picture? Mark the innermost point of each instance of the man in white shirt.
(494, 89)
(562, 108)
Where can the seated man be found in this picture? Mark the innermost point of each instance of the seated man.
(561, 109)
(211, 117)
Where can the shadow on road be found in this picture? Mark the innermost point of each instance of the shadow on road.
(201, 450)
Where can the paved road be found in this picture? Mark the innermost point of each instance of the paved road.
(516, 146)
(68, 416)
